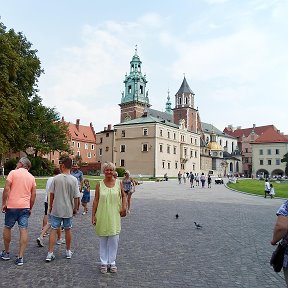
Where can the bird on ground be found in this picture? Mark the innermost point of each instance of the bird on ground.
(198, 226)
(177, 216)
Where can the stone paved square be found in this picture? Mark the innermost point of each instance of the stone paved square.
(156, 249)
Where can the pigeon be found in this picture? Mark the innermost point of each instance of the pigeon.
(177, 216)
(198, 226)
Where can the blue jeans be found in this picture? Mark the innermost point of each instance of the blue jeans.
(56, 222)
(20, 216)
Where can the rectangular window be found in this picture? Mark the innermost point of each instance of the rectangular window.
(101, 140)
(107, 134)
(73, 143)
(92, 147)
(268, 151)
(145, 147)
(78, 144)
(168, 134)
(122, 148)
(145, 131)
(168, 149)
(163, 164)
(123, 133)
(161, 147)
(196, 142)
(191, 153)
(185, 152)
(122, 163)
(86, 146)
(261, 162)
(269, 162)
(89, 155)
(261, 152)
(78, 153)
(174, 136)
(278, 161)
(176, 165)
(168, 165)
(246, 150)
(129, 89)
(161, 132)
(100, 151)
(195, 154)
(277, 151)
(174, 149)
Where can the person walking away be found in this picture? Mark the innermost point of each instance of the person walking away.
(18, 199)
(47, 226)
(191, 177)
(108, 206)
(64, 195)
(184, 177)
(266, 188)
(197, 179)
(280, 234)
(76, 172)
(209, 181)
(86, 195)
(272, 191)
(129, 188)
(202, 179)
(179, 177)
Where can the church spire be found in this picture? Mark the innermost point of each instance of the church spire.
(168, 108)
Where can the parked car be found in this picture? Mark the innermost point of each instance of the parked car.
(219, 180)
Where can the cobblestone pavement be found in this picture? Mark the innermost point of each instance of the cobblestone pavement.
(158, 250)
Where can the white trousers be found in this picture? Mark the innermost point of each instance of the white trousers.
(108, 249)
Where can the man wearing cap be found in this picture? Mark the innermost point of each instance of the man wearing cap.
(17, 202)
(76, 172)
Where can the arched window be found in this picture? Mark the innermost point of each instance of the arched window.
(179, 101)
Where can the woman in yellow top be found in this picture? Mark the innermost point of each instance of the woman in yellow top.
(108, 206)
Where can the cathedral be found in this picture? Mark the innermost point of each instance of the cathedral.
(153, 143)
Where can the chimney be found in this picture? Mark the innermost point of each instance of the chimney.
(109, 126)
(254, 125)
(105, 128)
(62, 119)
(77, 124)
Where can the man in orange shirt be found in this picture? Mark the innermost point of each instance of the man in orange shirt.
(17, 202)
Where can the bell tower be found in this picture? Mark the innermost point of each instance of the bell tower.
(184, 108)
(135, 97)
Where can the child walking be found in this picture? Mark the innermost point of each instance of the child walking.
(272, 191)
(86, 195)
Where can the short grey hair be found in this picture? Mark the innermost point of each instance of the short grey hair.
(108, 165)
(25, 162)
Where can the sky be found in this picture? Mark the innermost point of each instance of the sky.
(233, 54)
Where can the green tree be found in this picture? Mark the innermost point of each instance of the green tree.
(24, 121)
(285, 159)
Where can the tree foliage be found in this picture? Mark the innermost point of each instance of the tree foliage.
(24, 121)
(285, 159)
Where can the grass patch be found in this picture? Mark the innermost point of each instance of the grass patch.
(257, 187)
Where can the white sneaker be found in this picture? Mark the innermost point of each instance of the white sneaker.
(69, 254)
(60, 241)
(84, 213)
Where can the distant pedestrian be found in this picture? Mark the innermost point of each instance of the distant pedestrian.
(17, 202)
(203, 179)
(64, 195)
(129, 188)
(272, 191)
(191, 177)
(209, 181)
(85, 196)
(184, 177)
(179, 177)
(266, 188)
(108, 206)
(78, 174)
(197, 179)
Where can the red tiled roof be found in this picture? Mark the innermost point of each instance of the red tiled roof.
(238, 133)
(271, 135)
(82, 133)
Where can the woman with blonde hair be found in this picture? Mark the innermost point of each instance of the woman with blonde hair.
(108, 206)
(129, 187)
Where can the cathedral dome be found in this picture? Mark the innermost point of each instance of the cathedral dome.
(214, 146)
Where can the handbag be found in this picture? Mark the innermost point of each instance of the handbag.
(277, 257)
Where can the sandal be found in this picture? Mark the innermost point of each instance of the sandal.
(113, 269)
(103, 269)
